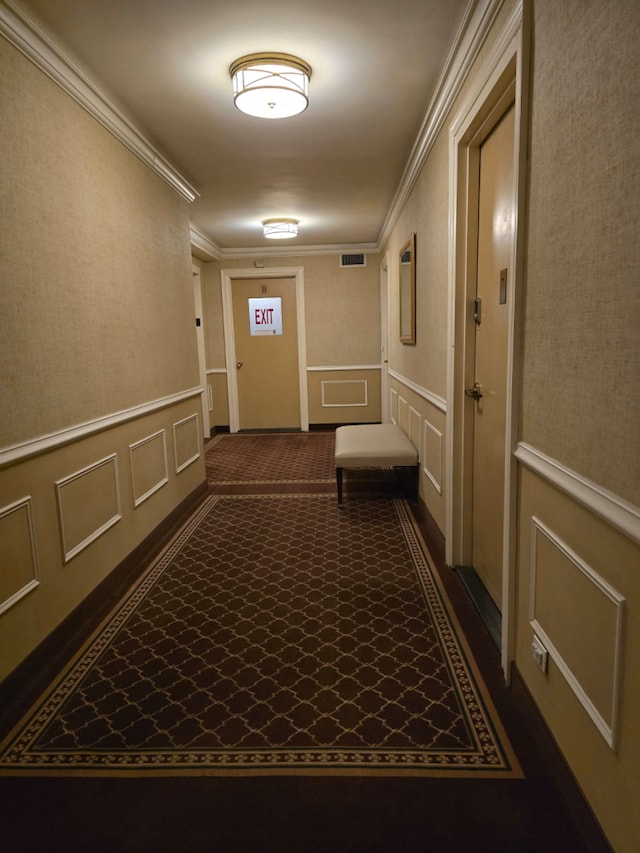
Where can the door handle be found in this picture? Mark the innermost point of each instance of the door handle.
(475, 393)
(238, 364)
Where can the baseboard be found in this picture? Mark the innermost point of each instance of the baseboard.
(24, 685)
(536, 747)
(555, 766)
(431, 533)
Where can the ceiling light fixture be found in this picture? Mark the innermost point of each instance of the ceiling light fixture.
(280, 229)
(270, 85)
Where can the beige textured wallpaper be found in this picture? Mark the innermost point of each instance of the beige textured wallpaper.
(426, 214)
(581, 384)
(342, 309)
(96, 305)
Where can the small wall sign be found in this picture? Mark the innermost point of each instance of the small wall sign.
(265, 315)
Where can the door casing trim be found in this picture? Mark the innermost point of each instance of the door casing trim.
(226, 277)
(500, 82)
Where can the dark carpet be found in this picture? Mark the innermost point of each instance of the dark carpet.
(277, 634)
(379, 813)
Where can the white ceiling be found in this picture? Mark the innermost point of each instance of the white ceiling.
(336, 167)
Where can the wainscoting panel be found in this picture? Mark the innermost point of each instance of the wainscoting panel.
(579, 618)
(344, 392)
(403, 414)
(18, 556)
(148, 460)
(88, 505)
(393, 405)
(186, 441)
(432, 455)
(414, 429)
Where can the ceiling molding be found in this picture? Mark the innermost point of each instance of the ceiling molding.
(29, 40)
(204, 248)
(470, 37)
(299, 251)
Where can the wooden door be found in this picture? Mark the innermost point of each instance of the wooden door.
(495, 241)
(266, 354)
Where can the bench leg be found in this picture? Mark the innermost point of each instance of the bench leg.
(339, 484)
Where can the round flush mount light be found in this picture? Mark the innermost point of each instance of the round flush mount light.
(270, 85)
(280, 229)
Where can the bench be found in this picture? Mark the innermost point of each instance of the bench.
(375, 446)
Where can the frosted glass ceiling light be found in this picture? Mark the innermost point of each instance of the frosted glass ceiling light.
(270, 85)
(280, 229)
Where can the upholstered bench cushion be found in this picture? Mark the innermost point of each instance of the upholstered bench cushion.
(373, 446)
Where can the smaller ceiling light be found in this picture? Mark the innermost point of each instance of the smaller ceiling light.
(280, 229)
(270, 85)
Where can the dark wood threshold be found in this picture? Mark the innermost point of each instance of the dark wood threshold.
(22, 687)
(537, 750)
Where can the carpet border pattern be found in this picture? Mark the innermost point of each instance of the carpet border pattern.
(491, 756)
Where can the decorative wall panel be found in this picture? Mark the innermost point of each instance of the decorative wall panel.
(578, 616)
(414, 428)
(393, 405)
(18, 556)
(432, 455)
(344, 392)
(186, 442)
(148, 458)
(403, 414)
(88, 505)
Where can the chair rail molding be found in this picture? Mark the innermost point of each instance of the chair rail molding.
(609, 507)
(45, 443)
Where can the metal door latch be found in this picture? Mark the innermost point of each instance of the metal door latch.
(475, 393)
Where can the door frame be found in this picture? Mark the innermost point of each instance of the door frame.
(202, 358)
(227, 277)
(500, 82)
(384, 341)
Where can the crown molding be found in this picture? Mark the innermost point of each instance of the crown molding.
(200, 242)
(472, 32)
(23, 34)
(203, 247)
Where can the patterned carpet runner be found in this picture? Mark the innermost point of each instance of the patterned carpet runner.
(302, 457)
(276, 634)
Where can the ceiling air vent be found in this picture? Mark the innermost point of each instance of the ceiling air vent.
(358, 260)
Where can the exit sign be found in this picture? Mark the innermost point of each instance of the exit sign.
(265, 315)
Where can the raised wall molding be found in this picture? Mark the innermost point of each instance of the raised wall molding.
(393, 405)
(47, 443)
(327, 368)
(606, 723)
(87, 488)
(326, 385)
(16, 526)
(432, 455)
(607, 506)
(414, 430)
(186, 441)
(152, 443)
(26, 37)
(439, 402)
